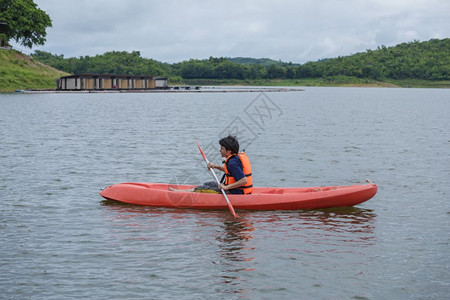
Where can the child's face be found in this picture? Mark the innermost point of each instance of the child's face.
(224, 152)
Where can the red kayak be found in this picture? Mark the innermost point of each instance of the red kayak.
(263, 198)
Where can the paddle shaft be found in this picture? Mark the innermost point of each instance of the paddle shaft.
(217, 180)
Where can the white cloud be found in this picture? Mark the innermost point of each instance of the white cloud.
(296, 31)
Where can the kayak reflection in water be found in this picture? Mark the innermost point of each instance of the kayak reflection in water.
(237, 178)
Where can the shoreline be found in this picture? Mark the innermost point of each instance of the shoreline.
(203, 89)
(220, 87)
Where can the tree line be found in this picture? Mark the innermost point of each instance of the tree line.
(428, 60)
(115, 62)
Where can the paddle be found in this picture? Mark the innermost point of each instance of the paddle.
(217, 180)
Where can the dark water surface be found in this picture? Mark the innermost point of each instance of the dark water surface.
(59, 240)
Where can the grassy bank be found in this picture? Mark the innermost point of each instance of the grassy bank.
(20, 72)
(337, 81)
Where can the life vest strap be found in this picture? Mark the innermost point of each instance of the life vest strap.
(229, 175)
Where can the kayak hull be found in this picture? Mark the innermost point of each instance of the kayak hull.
(263, 198)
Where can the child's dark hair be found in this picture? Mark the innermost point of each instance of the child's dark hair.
(230, 143)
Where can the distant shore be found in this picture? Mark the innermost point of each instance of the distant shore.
(222, 86)
(331, 81)
(240, 86)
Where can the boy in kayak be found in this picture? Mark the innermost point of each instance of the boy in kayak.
(238, 171)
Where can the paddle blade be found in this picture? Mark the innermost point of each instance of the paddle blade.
(231, 209)
(201, 151)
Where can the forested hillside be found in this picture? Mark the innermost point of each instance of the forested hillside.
(427, 60)
(115, 62)
(414, 60)
(253, 61)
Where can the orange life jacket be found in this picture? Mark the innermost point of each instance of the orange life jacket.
(247, 169)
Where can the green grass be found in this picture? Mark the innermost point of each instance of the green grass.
(335, 81)
(417, 83)
(20, 72)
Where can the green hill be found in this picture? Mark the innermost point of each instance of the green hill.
(428, 60)
(19, 71)
(258, 61)
(412, 64)
(113, 62)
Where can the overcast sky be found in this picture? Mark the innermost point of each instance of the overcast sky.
(296, 31)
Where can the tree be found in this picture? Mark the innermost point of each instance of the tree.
(26, 23)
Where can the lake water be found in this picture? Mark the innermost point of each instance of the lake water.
(60, 240)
